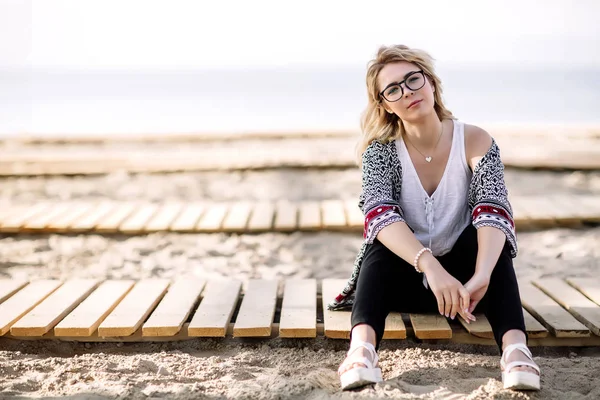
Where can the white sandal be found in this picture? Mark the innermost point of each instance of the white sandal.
(520, 380)
(360, 376)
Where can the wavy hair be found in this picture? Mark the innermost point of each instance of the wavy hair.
(376, 122)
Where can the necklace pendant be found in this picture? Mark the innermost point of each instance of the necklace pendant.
(428, 159)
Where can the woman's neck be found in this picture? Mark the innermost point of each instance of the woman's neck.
(424, 132)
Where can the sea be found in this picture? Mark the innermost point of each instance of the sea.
(275, 99)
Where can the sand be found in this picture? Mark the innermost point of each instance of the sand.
(275, 368)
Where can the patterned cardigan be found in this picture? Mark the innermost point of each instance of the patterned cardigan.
(379, 201)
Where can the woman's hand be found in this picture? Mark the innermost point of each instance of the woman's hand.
(452, 297)
(477, 286)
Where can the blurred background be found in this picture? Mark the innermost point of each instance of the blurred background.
(129, 67)
(214, 139)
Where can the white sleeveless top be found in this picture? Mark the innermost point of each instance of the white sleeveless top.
(438, 220)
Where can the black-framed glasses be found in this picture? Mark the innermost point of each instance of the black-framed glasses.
(413, 81)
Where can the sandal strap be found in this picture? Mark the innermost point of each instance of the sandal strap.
(361, 360)
(514, 364)
(370, 348)
(522, 347)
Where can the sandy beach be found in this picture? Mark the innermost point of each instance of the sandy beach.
(275, 368)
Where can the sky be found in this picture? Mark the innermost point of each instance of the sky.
(109, 34)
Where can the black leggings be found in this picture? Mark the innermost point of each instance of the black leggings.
(388, 283)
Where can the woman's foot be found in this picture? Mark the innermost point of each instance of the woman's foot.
(354, 360)
(519, 371)
(360, 367)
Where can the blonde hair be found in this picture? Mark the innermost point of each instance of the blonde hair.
(376, 122)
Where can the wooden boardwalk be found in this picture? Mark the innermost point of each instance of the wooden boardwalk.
(562, 149)
(557, 312)
(249, 217)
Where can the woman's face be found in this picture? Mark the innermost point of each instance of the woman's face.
(413, 98)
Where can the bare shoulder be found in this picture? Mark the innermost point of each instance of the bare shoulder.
(477, 144)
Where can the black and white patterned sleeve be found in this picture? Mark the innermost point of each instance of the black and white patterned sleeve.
(377, 200)
(488, 197)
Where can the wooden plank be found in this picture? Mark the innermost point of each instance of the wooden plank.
(430, 326)
(89, 221)
(237, 217)
(309, 216)
(299, 309)
(533, 327)
(519, 212)
(40, 221)
(212, 219)
(15, 222)
(554, 210)
(537, 211)
(85, 319)
(513, 132)
(188, 218)
(337, 324)
(583, 309)
(163, 218)
(216, 308)
(8, 287)
(136, 222)
(570, 208)
(354, 215)
(333, 214)
(24, 301)
(480, 327)
(175, 307)
(110, 222)
(394, 327)
(63, 221)
(459, 335)
(286, 216)
(592, 207)
(129, 315)
(261, 219)
(555, 318)
(257, 310)
(54, 308)
(7, 210)
(590, 287)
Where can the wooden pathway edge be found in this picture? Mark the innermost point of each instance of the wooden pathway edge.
(544, 130)
(223, 310)
(132, 218)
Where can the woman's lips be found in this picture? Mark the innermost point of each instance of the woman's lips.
(414, 103)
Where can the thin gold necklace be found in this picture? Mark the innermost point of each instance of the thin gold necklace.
(427, 158)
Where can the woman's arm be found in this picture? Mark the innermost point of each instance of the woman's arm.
(491, 236)
(490, 240)
(488, 195)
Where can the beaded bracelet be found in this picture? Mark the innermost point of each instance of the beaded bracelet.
(419, 254)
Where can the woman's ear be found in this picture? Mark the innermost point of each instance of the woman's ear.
(385, 108)
(432, 84)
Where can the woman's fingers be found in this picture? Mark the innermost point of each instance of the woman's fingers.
(447, 302)
(455, 303)
(440, 300)
(465, 302)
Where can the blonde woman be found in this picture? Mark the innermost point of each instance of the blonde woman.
(439, 233)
